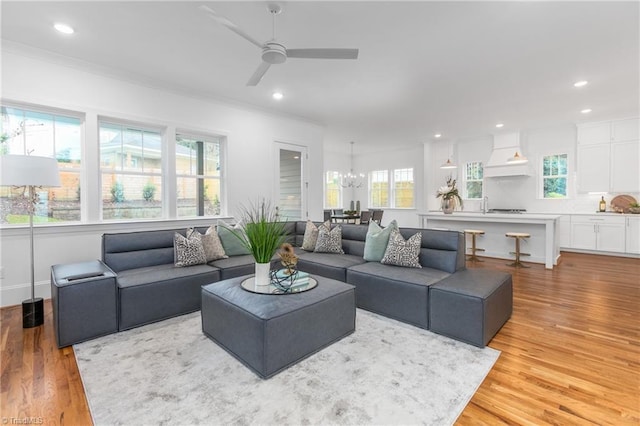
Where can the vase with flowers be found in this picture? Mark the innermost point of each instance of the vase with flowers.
(450, 196)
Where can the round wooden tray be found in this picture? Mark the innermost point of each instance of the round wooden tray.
(621, 203)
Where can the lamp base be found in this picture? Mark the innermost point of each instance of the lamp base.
(32, 312)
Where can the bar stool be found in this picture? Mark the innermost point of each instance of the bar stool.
(518, 236)
(474, 249)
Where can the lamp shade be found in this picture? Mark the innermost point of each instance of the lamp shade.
(517, 159)
(28, 170)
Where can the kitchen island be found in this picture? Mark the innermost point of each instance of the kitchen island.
(543, 244)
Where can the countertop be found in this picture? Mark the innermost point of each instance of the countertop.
(490, 217)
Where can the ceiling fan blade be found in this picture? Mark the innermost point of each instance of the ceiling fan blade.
(323, 53)
(227, 23)
(257, 76)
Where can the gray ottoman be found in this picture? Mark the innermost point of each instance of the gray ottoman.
(471, 305)
(269, 333)
(84, 300)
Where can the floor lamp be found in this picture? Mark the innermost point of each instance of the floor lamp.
(31, 172)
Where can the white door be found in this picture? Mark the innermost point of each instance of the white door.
(291, 183)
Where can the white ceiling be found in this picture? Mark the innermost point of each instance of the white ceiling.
(455, 68)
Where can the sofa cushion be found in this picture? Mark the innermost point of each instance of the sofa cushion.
(311, 235)
(329, 265)
(231, 243)
(212, 245)
(188, 250)
(235, 266)
(401, 252)
(154, 274)
(329, 241)
(418, 276)
(377, 240)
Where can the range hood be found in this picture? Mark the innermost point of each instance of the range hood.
(504, 147)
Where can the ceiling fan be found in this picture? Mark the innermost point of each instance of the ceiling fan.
(274, 52)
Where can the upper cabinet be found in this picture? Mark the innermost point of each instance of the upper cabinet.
(625, 130)
(594, 133)
(608, 156)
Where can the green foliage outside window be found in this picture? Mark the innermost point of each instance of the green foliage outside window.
(554, 176)
(473, 180)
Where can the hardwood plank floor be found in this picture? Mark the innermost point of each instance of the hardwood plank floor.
(570, 353)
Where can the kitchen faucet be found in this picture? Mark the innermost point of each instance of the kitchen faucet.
(485, 204)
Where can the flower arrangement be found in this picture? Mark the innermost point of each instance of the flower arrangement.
(450, 192)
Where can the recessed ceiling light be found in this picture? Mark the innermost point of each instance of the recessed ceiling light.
(437, 135)
(580, 83)
(586, 111)
(277, 95)
(499, 125)
(63, 28)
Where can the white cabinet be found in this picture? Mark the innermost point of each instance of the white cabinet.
(633, 235)
(608, 156)
(600, 233)
(625, 158)
(594, 133)
(594, 168)
(625, 130)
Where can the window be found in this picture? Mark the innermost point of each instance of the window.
(198, 173)
(131, 171)
(403, 188)
(379, 188)
(46, 134)
(554, 176)
(332, 190)
(397, 192)
(473, 180)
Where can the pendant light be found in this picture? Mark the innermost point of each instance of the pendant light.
(448, 165)
(517, 159)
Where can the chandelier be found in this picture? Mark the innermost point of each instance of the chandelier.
(351, 179)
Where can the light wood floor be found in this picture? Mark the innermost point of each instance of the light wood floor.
(570, 353)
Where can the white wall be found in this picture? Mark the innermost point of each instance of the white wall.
(250, 166)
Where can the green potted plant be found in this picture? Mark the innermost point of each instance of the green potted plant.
(450, 196)
(262, 233)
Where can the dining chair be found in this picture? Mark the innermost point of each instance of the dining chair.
(327, 215)
(376, 216)
(365, 217)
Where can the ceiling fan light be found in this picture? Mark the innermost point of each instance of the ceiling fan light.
(448, 165)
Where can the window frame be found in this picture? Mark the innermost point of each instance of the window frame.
(391, 188)
(142, 127)
(338, 189)
(79, 172)
(467, 180)
(205, 138)
(543, 177)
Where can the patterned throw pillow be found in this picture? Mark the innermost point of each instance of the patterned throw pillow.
(188, 251)
(311, 235)
(375, 244)
(212, 245)
(329, 241)
(403, 253)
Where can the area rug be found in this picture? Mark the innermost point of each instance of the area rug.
(386, 372)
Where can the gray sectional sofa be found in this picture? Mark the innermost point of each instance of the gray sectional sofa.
(149, 288)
